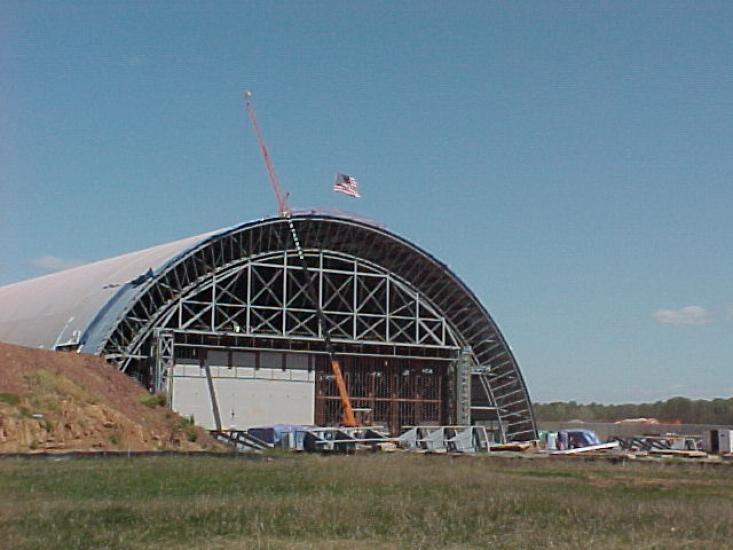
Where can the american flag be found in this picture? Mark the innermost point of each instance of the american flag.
(346, 185)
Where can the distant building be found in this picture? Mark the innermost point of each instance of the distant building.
(643, 420)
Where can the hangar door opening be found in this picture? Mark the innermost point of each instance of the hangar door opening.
(393, 392)
(255, 388)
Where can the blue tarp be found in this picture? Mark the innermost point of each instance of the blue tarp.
(274, 434)
(575, 439)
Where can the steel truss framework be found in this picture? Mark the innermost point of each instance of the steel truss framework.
(269, 297)
(375, 288)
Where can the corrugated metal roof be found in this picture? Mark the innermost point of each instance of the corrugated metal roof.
(50, 310)
(59, 308)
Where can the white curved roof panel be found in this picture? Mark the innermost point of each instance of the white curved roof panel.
(57, 308)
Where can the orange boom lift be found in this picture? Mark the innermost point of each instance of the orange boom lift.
(283, 211)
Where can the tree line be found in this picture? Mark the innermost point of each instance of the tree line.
(677, 409)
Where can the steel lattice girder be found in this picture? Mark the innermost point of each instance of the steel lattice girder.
(267, 296)
(368, 248)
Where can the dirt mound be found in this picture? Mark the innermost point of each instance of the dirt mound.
(56, 401)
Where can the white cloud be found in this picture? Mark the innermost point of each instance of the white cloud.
(688, 315)
(54, 263)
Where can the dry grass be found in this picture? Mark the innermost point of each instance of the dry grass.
(383, 501)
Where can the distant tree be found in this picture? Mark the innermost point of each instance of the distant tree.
(687, 411)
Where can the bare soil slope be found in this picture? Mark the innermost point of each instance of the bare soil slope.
(55, 401)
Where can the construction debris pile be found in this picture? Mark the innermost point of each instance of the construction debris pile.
(433, 439)
(471, 440)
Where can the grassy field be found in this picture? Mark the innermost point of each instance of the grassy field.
(384, 501)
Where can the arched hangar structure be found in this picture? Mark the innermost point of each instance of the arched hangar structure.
(416, 345)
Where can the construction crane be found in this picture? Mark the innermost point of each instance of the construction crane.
(283, 211)
(280, 196)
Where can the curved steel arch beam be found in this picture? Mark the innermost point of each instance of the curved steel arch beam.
(447, 293)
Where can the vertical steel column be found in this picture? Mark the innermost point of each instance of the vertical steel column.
(393, 403)
(204, 362)
(248, 329)
(417, 318)
(285, 293)
(164, 363)
(389, 289)
(213, 302)
(355, 304)
(320, 290)
(464, 369)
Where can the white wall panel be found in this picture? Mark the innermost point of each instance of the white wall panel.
(245, 402)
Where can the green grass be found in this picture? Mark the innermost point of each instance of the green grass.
(186, 424)
(383, 501)
(9, 398)
(154, 400)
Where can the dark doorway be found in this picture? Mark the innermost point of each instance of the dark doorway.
(394, 392)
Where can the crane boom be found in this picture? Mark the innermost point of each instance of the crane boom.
(282, 204)
(280, 196)
(348, 418)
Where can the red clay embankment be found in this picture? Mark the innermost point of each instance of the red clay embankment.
(58, 401)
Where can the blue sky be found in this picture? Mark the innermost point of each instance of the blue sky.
(572, 162)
